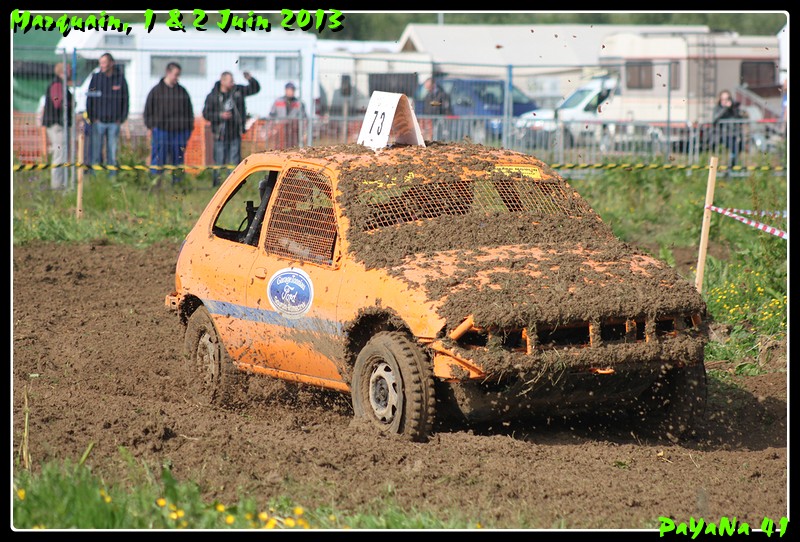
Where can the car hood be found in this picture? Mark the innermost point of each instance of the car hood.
(514, 285)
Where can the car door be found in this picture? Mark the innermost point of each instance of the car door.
(227, 255)
(295, 280)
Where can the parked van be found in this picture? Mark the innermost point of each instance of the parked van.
(480, 98)
(579, 112)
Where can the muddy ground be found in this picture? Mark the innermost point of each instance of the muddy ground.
(100, 358)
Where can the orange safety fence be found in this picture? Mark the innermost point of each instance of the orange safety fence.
(29, 139)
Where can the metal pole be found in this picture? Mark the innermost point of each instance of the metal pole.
(669, 108)
(508, 108)
(73, 129)
(313, 108)
(65, 108)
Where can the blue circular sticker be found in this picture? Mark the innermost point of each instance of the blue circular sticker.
(290, 292)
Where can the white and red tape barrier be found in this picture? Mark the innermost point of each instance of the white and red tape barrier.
(736, 214)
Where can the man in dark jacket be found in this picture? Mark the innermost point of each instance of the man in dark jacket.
(107, 108)
(53, 118)
(436, 102)
(225, 108)
(169, 116)
(728, 126)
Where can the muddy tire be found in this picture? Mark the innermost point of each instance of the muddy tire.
(676, 401)
(392, 386)
(213, 378)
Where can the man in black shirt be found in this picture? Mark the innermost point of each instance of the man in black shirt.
(226, 110)
(169, 116)
(107, 108)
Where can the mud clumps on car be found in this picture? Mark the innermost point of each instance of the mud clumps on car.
(411, 167)
(509, 267)
(561, 283)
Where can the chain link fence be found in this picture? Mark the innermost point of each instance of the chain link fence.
(492, 105)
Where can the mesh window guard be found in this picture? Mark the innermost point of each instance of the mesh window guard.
(303, 225)
(391, 205)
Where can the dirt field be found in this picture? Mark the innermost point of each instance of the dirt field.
(101, 358)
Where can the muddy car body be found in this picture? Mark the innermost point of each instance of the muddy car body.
(454, 279)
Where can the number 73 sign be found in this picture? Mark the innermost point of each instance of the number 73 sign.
(389, 113)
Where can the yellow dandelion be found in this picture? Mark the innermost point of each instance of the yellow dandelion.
(248, 516)
(184, 523)
(229, 519)
(173, 507)
(289, 522)
(263, 516)
(107, 498)
(303, 523)
(271, 523)
(478, 525)
(21, 494)
(298, 510)
(180, 513)
(161, 501)
(331, 518)
(173, 515)
(220, 507)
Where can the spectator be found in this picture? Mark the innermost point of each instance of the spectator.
(107, 108)
(436, 102)
(168, 115)
(727, 125)
(53, 119)
(289, 109)
(225, 108)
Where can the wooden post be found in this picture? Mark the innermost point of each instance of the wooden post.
(79, 184)
(701, 258)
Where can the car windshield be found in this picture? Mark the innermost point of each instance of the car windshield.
(509, 192)
(435, 204)
(575, 98)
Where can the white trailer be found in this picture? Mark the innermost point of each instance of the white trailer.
(651, 79)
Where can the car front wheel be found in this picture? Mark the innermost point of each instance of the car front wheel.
(213, 378)
(392, 386)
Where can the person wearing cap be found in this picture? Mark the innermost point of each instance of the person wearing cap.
(288, 110)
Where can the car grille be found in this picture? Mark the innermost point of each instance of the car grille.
(578, 334)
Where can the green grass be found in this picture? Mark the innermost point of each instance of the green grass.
(71, 496)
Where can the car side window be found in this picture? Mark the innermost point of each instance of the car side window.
(241, 217)
(302, 224)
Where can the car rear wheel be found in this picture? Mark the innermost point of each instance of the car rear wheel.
(392, 386)
(213, 378)
(676, 401)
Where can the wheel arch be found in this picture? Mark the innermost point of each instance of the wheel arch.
(188, 305)
(365, 325)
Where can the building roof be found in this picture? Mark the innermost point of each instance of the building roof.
(354, 46)
(533, 45)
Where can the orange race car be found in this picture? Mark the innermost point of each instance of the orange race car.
(454, 279)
